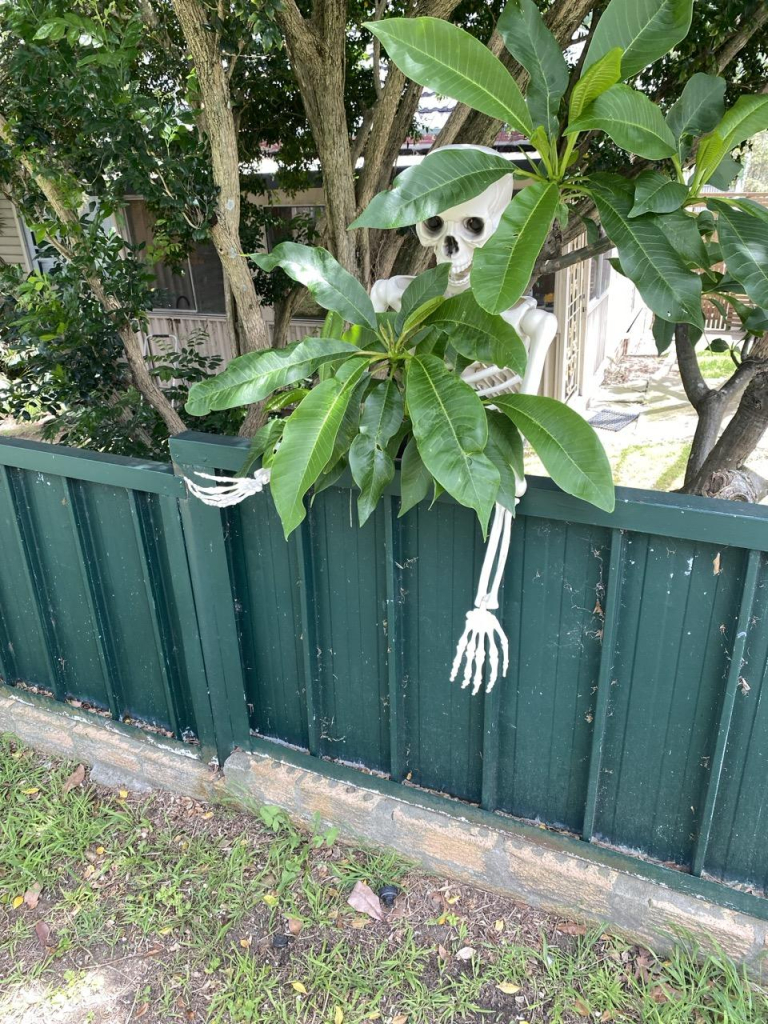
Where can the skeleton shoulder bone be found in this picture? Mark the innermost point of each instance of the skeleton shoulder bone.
(453, 236)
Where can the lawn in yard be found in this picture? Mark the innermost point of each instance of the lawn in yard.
(118, 908)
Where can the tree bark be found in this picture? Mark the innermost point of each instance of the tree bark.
(205, 54)
(132, 343)
(317, 49)
(740, 437)
(752, 21)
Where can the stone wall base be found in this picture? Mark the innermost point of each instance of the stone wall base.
(533, 869)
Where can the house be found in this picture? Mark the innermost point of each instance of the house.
(598, 310)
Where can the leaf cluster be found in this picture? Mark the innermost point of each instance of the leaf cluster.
(389, 384)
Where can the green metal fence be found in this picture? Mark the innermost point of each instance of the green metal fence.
(634, 716)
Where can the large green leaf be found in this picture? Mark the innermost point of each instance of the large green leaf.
(414, 478)
(372, 469)
(330, 284)
(595, 81)
(443, 179)
(307, 444)
(505, 450)
(443, 57)
(744, 241)
(251, 377)
(532, 44)
(644, 29)
(684, 237)
(382, 412)
(427, 286)
(632, 121)
(502, 268)
(647, 257)
(700, 107)
(663, 334)
(725, 173)
(263, 444)
(656, 193)
(747, 117)
(478, 335)
(566, 444)
(451, 431)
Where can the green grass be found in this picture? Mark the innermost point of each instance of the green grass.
(162, 909)
(715, 365)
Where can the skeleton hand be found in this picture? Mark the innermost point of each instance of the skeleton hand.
(482, 627)
(227, 490)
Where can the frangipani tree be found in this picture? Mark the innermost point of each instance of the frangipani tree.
(391, 381)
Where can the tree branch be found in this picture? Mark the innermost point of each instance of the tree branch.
(751, 23)
(694, 385)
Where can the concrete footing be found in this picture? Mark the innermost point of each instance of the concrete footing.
(542, 870)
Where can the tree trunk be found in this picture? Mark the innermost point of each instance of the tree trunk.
(132, 343)
(317, 49)
(220, 128)
(740, 437)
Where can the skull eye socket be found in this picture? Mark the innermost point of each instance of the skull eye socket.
(474, 224)
(433, 224)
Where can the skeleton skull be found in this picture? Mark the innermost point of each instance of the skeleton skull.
(456, 233)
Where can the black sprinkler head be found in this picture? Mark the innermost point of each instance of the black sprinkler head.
(387, 895)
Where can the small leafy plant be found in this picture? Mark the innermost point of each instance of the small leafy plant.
(389, 383)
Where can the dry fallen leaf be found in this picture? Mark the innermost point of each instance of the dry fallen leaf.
(77, 776)
(442, 952)
(32, 895)
(400, 1019)
(607, 1015)
(17, 901)
(294, 925)
(571, 928)
(297, 986)
(43, 933)
(716, 570)
(581, 1008)
(361, 922)
(499, 925)
(144, 1008)
(338, 1016)
(31, 791)
(364, 899)
(508, 988)
(123, 794)
(245, 943)
(465, 953)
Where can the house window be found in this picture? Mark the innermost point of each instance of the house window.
(291, 224)
(195, 287)
(599, 276)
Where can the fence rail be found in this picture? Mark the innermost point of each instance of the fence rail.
(634, 716)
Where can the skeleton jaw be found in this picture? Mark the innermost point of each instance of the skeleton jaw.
(458, 276)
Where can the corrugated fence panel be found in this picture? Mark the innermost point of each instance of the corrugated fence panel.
(553, 607)
(351, 645)
(634, 712)
(737, 849)
(266, 582)
(677, 615)
(441, 728)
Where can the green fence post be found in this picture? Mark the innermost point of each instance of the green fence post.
(394, 660)
(303, 543)
(608, 643)
(212, 587)
(195, 678)
(726, 711)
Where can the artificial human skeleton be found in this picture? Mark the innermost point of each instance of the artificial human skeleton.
(453, 236)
